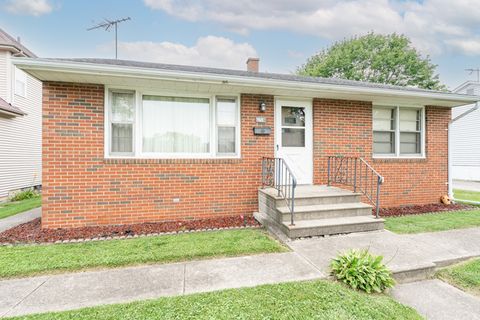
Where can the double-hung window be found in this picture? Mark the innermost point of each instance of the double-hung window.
(226, 126)
(122, 122)
(398, 131)
(173, 126)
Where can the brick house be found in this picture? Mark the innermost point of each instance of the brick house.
(130, 142)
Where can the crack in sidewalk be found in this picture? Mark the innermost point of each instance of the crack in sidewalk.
(24, 298)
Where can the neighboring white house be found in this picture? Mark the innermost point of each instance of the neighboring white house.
(466, 137)
(20, 121)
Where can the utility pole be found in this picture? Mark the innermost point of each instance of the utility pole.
(477, 71)
(107, 25)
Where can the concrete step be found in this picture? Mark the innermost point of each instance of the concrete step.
(315, 195)
(326, 211)
(308, 228)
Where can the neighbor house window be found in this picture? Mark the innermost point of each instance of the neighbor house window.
(122, 122)
(20, 83)
(398, 131)
(173, 126)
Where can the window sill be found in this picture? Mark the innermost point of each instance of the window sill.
(399, 159)
(126, 160)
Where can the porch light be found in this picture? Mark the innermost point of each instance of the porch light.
(263, 106)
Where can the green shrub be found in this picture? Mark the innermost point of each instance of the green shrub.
(363, 271)
(25, 194)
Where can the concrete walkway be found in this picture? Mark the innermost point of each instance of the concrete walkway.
(438, 300)
(410, 256)
(20, 218)
(76, 290)
(466, 185)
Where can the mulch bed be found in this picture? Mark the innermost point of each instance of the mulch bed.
(420, 209)
(31, 232)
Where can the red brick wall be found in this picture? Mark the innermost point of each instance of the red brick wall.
(345, 128)
(81, 188)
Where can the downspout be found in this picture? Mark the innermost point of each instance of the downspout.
(450, 165)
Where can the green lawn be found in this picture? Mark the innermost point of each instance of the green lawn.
(18, 261)
(466, 195)
(8, 209)
(465, 276)
(433, 222)
(297, 300)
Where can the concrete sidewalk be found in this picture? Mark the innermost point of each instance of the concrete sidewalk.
(409, 256)
(438, 300)
(20, 218)
(76, 290)
(466, 185)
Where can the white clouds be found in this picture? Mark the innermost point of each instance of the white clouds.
(29, 7)
(469, 47)
(433, 25)
(208, 51)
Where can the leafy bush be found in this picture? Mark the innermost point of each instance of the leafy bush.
(25, 194)
(363, 271)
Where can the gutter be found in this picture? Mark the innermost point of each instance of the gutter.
(450, 164)
(236, 80)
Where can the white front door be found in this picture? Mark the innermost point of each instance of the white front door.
(293, 137)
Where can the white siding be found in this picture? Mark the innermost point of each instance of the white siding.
(21, 136)
(466, 140)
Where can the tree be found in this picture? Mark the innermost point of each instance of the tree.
(389, 59)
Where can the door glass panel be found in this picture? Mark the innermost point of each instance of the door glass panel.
(293, 137)
(293, 117)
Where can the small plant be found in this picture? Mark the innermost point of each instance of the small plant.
(362, 271)
(25, 194)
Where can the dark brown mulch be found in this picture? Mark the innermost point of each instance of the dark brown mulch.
(31, 232)
(419, 209)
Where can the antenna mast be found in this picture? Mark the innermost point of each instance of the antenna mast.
(477, 71)
(107, 25)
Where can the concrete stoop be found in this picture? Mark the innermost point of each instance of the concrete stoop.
(319, 211)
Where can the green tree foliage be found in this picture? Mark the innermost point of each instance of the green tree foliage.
(388, 59)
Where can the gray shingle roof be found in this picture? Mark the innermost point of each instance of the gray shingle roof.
(9, 41)
(7, 107)
(262, 75)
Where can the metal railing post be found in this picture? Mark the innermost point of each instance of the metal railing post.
(377, 205)
(355, 176)
(278, 175)
(263, 173)
(292, 211)
(328, 172)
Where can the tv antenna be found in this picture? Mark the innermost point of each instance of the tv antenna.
(107, 25)
(477, 71)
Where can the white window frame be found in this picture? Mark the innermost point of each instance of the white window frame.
(397, 131)
(20, 76)
(108, 117)
(237, 126)
(137, 127)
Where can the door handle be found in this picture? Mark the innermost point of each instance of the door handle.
(277, 147)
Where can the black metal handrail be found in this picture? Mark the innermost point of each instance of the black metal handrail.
(277, 174)
(357, 173)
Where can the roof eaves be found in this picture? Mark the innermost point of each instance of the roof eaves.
(9, 109)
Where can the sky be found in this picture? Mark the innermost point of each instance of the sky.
(224, 33)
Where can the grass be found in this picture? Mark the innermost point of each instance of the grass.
(433, 222)
(19, 261)
(296, 300)
(465, 276)
(466, 195)
(8, 209)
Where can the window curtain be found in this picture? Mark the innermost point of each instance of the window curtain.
(176, 125)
